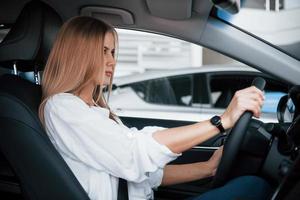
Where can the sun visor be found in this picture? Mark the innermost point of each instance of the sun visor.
(177, 9)
(114, 16)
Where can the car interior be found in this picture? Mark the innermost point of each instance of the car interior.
(30, 166)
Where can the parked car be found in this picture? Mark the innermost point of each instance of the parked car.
(190, 94)
(30, 166)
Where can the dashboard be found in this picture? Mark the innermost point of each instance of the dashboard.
(283, 161)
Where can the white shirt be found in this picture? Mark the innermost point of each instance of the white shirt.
(98, 150)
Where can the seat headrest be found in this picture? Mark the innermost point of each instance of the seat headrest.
(29, 41)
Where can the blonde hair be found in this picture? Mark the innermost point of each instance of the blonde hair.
(76, 60)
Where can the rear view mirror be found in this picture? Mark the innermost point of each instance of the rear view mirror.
(231, 6)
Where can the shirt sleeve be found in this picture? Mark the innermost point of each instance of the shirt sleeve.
(155, 178)
(87, 136)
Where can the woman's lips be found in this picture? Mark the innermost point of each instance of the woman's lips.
(108, 74)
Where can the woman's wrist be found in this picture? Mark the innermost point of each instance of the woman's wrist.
(226, 122)
(211, 168)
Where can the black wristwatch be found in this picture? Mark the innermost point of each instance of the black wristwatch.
(216, 121)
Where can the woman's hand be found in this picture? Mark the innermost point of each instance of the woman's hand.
(249, 98)
(214, 160)
(174, 174)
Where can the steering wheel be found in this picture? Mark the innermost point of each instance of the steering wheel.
(234, 141)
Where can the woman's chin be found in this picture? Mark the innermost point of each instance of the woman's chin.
(106, 82)
(103, 85)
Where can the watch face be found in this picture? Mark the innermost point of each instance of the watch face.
(216, 120)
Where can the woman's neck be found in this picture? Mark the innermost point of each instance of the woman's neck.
(86, 95)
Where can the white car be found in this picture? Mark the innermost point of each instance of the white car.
(189, 94)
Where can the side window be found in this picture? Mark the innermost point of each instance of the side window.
(165, 91)
(223, 88)
(273, 92)
(271, 101)
(201, 91)
(182, 88)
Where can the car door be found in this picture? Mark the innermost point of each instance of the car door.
(189, 91)
(202, 152)
(168, 97)
(166, 101)
(221, 87)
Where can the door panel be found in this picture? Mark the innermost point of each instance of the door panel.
(202, 152)
(249, 159)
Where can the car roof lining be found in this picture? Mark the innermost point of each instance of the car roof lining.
(200, 28)
(144, 18)
(114, 16)
(177, 9)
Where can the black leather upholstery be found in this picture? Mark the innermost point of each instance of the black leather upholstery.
(42, 172)
(26, 44)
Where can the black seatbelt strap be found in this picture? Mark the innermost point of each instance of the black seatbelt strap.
(122, 190)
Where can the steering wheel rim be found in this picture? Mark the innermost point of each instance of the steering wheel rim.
(234, 141)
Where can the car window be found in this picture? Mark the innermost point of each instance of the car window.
(271, 101)
(157, 72)
(166, 91)
(223, 88)
(140, 52)
(201, 91)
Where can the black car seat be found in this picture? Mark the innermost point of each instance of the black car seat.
(42, 172)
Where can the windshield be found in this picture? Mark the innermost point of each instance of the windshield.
(275, 21)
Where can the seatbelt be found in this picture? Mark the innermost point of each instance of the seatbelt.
(122, 190)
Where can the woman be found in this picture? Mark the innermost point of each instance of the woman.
(93, 141)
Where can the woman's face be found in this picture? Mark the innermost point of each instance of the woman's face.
(109, 57)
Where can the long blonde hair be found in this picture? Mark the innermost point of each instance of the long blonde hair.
(76, 60)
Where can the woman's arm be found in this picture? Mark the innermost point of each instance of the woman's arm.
(183, 138)
(175, 174)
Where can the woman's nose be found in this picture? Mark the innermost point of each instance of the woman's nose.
(111, 61)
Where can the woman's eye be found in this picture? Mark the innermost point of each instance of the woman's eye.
(105, 51)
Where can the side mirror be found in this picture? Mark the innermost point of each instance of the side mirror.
(285, 110)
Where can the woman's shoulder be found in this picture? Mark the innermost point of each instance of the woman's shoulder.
(70, 102)
(71, 107)
(64, 100)
(63, 96)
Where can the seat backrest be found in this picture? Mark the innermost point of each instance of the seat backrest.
(42, 172)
